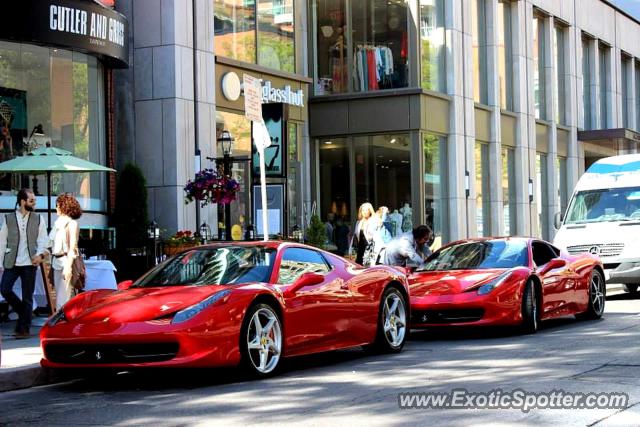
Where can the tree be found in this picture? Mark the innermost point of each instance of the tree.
(316, 234)
(130, 216)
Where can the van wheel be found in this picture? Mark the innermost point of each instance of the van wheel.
(632, 289)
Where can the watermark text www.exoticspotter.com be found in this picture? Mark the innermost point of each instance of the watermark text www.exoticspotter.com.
(513, 399)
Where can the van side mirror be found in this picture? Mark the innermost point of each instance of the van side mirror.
(123, 286)
(557, 220)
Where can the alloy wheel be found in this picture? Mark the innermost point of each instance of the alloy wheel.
(264, 340)
(597, 293)
(395, 319)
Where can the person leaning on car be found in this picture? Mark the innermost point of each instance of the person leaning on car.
(410, 248)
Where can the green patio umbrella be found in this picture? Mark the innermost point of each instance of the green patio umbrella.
(48, 160)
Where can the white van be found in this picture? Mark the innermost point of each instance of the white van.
(603, 218)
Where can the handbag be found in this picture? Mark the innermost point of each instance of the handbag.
(78, 270)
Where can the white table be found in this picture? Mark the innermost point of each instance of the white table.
(100, 275)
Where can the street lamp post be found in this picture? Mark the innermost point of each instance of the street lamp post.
(226, 141)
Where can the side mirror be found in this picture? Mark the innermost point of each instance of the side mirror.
(553, 264)
(123, 286)
(557, 220)
(307, 279)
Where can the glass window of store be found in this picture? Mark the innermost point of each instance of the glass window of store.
(483, 206)
(332, 67)
(272, 45)
(587, 80)
(240, 129)
(432, 45)
(539, 84)
(637, 85)
(624, 71)
(63, 91)
(559, 51)
(542, 194)
(605, 81)
(293, 170)
(563, 190)
(435, 185)
(505, 55)
(509, 190)
(334, 180)
(479, 46)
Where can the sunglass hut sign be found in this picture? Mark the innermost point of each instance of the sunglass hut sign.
(98, 27)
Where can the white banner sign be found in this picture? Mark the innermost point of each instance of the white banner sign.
(252, 98)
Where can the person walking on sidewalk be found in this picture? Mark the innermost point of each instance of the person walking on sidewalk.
(23, 247)
(64, 246)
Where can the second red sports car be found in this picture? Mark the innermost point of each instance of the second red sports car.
(224, 304)
(505, 281)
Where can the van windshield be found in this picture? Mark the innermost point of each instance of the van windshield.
(605, 205)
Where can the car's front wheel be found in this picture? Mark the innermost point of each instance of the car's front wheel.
(529, 309)
(597, 297)
(261, 340)
(392, 322)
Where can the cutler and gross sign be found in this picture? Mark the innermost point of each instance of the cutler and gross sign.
(85, 26)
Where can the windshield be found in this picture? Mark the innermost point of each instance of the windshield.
(479, 255)
(615, 204)
(213, 266)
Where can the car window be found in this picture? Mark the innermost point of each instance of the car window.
(542, 253)
(478, 255)
(297, 261)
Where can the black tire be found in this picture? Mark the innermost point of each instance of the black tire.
(530, 309)
(393, 339)
(268, 342)
(632, 289)
(597, 297)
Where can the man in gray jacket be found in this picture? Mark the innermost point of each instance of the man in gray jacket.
(409, 249)
(23, 243)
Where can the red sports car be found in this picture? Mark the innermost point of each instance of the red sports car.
(225, 304)
(505, 281)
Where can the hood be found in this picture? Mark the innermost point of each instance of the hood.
(136, 304)
(613, 239)
(449, 282)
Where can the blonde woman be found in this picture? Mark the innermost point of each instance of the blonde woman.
(64, 246)
(364, 230)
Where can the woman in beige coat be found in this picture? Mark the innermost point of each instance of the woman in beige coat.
(64, 246)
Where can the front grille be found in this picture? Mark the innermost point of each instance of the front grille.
(98, 354)
(446, 316)
(603, 250)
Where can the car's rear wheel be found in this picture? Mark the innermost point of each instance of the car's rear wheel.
(261, 340)
(392, 322)
(597, 297)
(632, 289)
(529, 309)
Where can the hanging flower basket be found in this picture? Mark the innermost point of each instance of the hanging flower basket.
(210, 186)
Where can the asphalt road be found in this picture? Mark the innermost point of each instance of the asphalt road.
(356, 389)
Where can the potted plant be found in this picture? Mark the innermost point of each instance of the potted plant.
(317, 233)
(179, 242)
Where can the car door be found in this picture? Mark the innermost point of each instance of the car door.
(557, 286)
(317, 316)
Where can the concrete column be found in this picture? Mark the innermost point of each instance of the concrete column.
(614, 96)
(496, 222)
(162, 107)
(575, 111)
(457, 79)
(549, 205)
(594, 51)
(630, 96)
(523, 107)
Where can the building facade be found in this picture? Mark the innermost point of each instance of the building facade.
(474, 116)
(56, 66)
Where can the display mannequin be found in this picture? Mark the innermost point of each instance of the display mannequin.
(407, 217)
(396, 218)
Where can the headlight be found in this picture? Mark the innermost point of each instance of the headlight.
(494, 283)
(56, 318)
(189, 312)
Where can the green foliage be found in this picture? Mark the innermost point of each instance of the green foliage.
(131, 216)
(316, 234)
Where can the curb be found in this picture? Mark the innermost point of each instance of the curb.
(27, 376)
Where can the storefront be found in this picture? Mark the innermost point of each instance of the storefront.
(55, 61)
(284, 97)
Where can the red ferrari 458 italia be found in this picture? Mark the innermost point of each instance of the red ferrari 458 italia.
(224, 304)
(505, 281)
